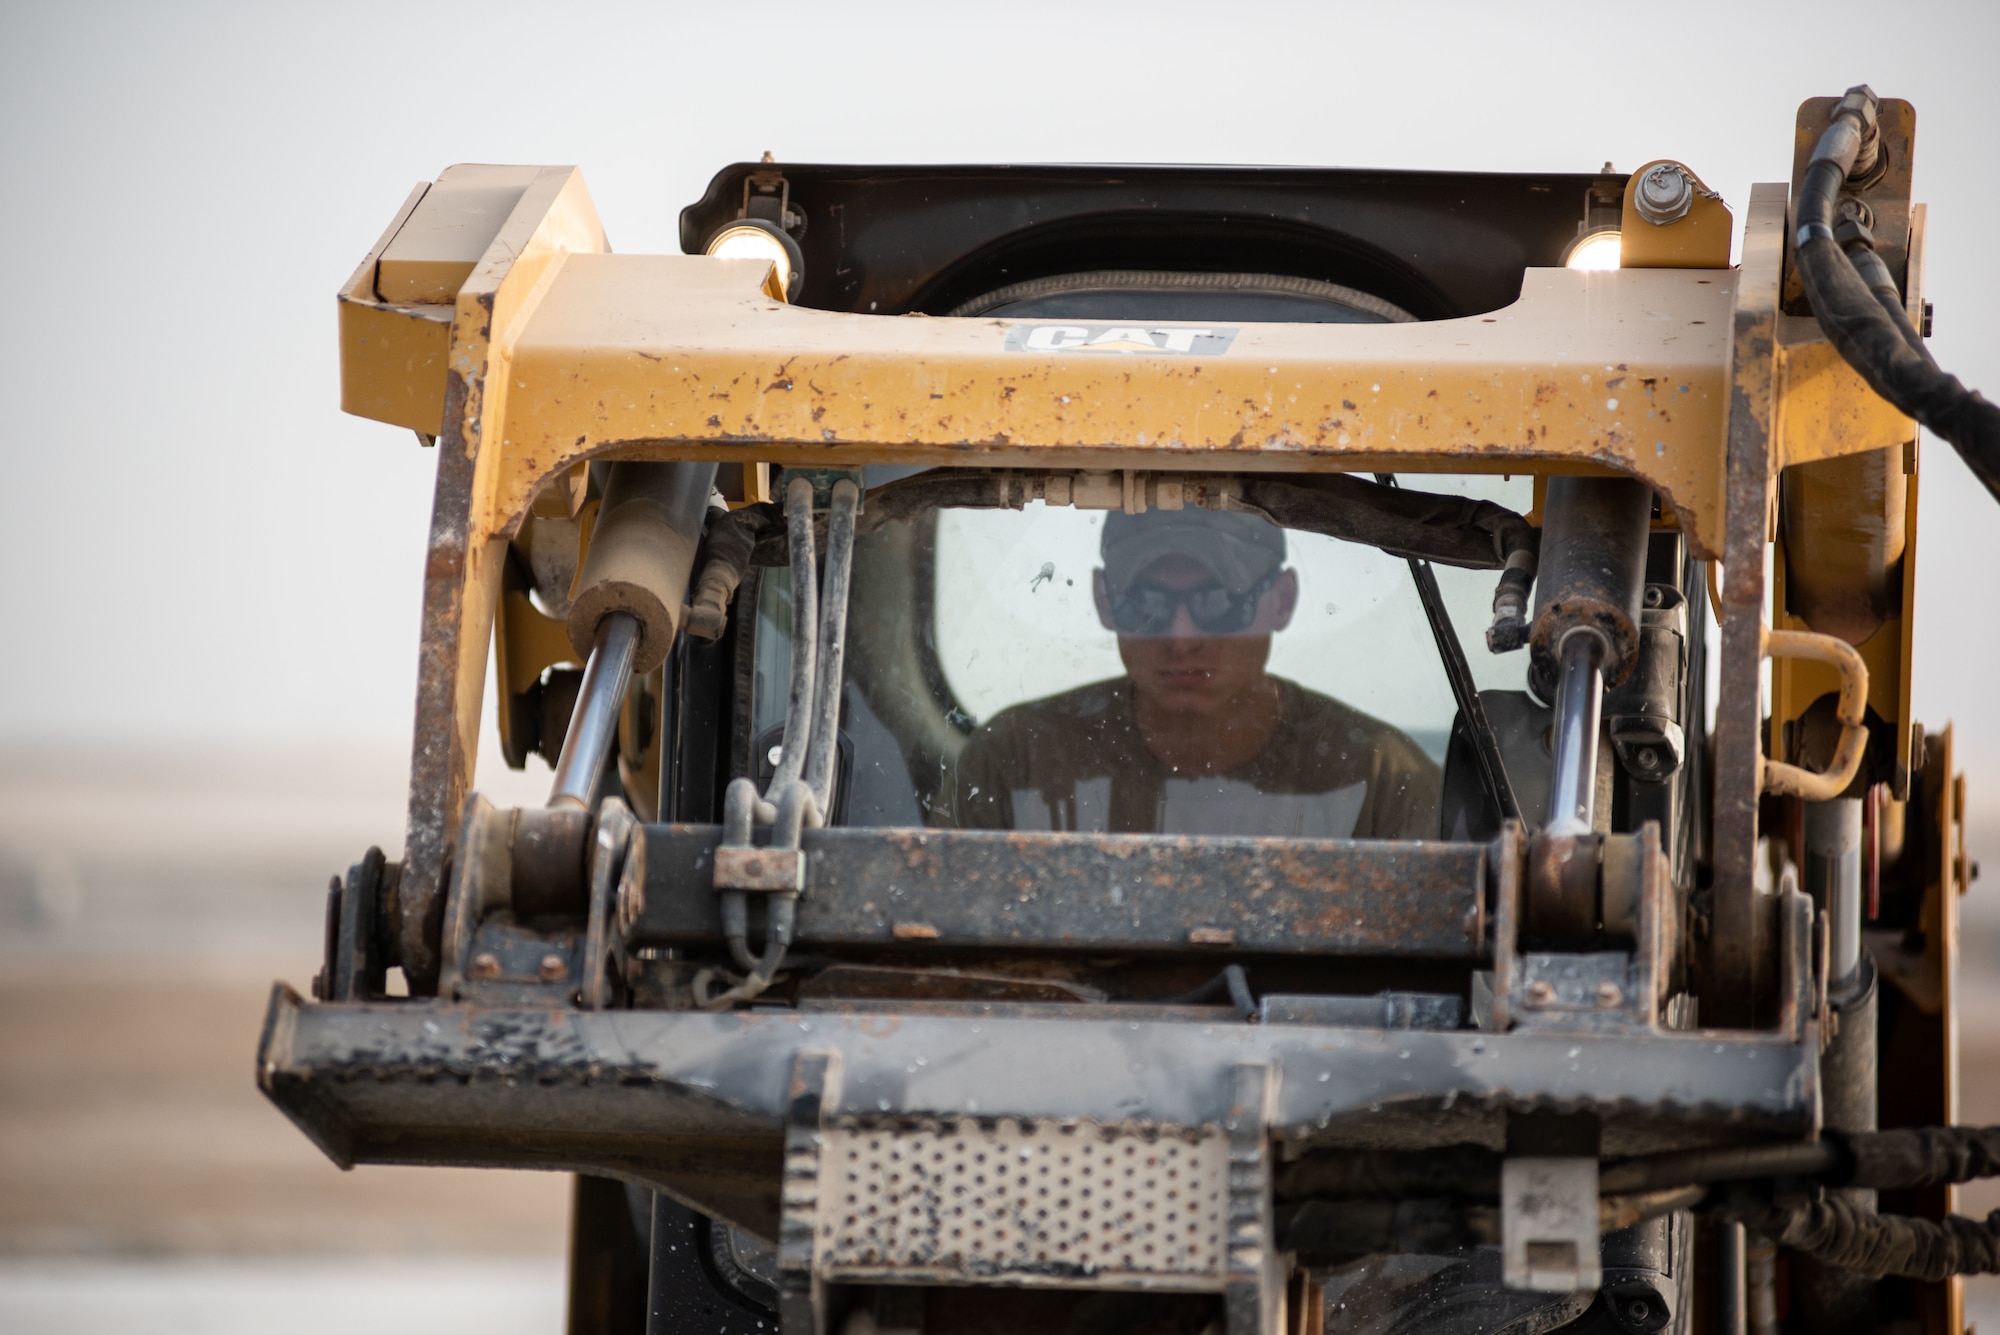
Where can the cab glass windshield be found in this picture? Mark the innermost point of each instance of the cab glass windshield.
(1173, 672)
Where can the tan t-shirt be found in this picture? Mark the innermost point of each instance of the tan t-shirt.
(1076, 762)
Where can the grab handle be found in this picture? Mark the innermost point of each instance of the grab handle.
(1792, 780)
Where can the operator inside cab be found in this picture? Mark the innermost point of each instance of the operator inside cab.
(1197, 737)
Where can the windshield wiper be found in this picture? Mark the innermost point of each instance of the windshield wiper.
(1471, 710)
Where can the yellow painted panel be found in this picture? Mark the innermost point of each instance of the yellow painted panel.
(1825, 408)
(392, 363)
(1698, 240)
(1622, 370)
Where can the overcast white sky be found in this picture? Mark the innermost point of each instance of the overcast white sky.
(197, 544)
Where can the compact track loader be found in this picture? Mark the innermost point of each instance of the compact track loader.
(1134, 749)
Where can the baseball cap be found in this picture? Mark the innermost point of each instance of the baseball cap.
(1238, 549)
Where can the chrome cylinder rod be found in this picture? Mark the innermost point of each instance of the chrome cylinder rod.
(593, 727)
(1833, 879)
(1579, 698)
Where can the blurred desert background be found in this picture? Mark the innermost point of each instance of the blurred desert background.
(147, 903)
(212, 576)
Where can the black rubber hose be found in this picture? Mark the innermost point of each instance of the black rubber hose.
(1421, 525)
(1351, 1201)
(1878, 1160)
(1922, 1156)
(1881, 1160)
(1822, 1160)
(1859, 244)
(1840, 1233)
(1853, 317)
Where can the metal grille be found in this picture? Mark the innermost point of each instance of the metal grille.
(1058, 1200)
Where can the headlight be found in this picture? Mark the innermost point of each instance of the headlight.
(757, 239)
(1596, 249)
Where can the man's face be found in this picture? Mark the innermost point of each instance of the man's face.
(1187, 670)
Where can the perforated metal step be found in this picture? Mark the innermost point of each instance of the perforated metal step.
(1042, 1202)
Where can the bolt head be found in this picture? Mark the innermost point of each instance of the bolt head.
(553, 968)
(1646, 758)
(1664, 194)
(485, 965)
(1609, 995)
(1540, 993)
(631, 902)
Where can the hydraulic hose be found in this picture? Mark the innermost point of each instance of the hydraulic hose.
(805, 637)
(1773, 1189)
(801, 792)
(1840, 1233)
(839, 578)
(1855, 312)
(1879, 1160)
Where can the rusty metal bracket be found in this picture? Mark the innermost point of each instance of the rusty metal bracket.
(781, 870)
(1069, 894)
(1616, 886)
(617, 856)
(810, 1093)
(1253, 1296)
(482, 874)
(822, 480)
(759, 187)
(510, 878)
(1799, 1001)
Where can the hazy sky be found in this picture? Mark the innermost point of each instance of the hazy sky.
(197, 544)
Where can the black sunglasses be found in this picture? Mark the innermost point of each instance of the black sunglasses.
(1148, 609)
